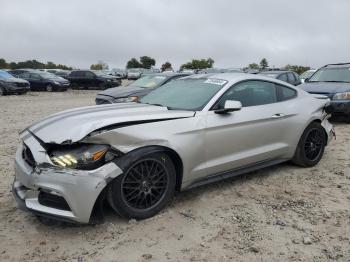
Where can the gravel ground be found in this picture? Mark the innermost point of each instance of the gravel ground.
(283, 213)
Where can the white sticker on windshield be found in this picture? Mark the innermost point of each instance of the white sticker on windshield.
(215, 81)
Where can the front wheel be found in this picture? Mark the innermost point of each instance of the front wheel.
(311, 146)
(49, 88)
(2, 91)
(145, 188)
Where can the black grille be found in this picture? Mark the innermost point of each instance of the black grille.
(54, 201)
(28, 156)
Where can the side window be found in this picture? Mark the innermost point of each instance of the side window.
(34, 76)
(24, 75)
(291, 78)
(89, 74)
(285, 93)
(283, 77)
(250, 93)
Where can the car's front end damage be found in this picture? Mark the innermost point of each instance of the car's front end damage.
(46, 185)
(62, 167)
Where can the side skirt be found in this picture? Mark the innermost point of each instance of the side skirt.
(234, 172)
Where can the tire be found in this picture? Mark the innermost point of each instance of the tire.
(2, 91)
(140, 192)
(103, 86)
(49, 88)
(311, 146)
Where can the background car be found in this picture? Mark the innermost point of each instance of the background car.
(17, 72)
(92, 79)
(137, 155)
(333, 81)
(137, 89)
(12, 85)
(307, 74)
(44, 81)
(285, 76)
(120, 72)
(134, 73)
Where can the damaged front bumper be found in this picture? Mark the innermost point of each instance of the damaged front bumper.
(329, 128)
(66, 194)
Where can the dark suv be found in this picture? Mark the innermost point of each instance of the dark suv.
(333, 81)
(92, 79)
(286, 76)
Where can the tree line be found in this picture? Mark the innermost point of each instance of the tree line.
(147, 63)
(31, 64)
(264, 64)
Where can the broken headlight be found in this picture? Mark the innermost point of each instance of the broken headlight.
(83, 156)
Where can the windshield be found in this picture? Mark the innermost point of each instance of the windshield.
(4, 74)
(101, 73)
(185, 94)
(306, 74)
(149, 81)
(331, 75)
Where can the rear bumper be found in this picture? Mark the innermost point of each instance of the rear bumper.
(62, 193)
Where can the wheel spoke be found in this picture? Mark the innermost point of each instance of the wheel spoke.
(145, 184)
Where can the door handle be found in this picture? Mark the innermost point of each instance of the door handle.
(279, 115)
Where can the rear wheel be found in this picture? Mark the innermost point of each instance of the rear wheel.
(103, 86)
(145, 188)
(311, 146)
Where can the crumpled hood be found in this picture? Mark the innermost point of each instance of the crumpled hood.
(73, 125)
(123, 91)
(325, 87)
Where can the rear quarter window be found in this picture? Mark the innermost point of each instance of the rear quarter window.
(285, 93)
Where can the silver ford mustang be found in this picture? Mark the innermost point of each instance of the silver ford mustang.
(187, 133)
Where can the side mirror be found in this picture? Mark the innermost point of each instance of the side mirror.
(306, 80)
(230, 106)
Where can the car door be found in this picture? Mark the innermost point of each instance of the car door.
(254, 134)
(90, 79)
(36, 81)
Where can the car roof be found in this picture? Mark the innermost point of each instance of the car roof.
(339, 65)
(168, 74)
(275, 72)
(237, 77)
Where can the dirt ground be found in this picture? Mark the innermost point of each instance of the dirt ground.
(283, 213)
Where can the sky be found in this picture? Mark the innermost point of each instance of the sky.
(234, 33)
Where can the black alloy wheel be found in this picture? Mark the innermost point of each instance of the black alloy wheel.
(146, 187)
(313, 144)
(145, 184)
